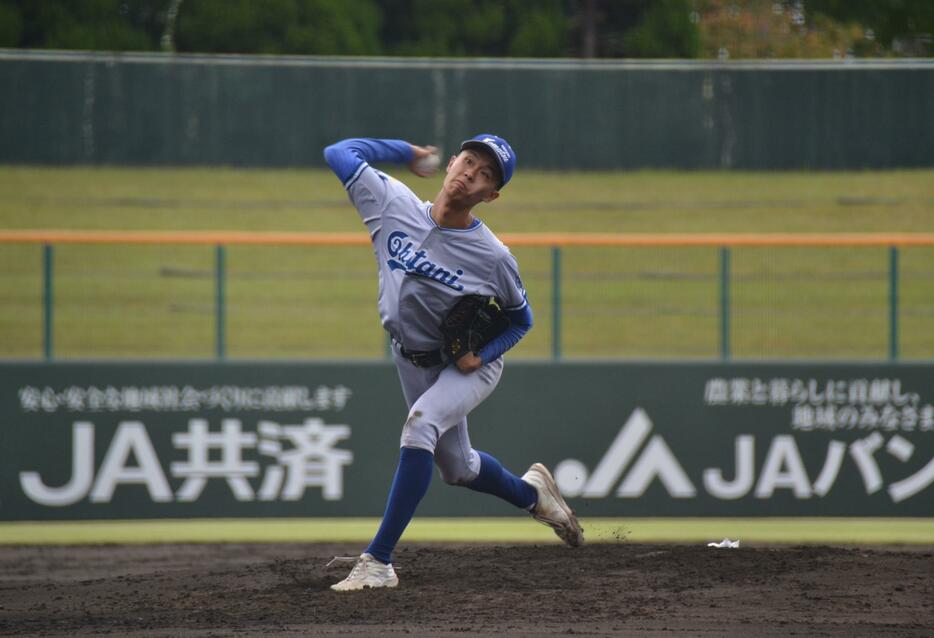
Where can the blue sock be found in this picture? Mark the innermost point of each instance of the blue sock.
(413, 475)
(496, 480)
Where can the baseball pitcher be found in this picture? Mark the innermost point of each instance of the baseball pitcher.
(451, 298)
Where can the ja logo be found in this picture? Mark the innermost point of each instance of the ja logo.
(782, 468)
(656, 461)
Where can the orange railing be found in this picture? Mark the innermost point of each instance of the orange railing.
(511, 239)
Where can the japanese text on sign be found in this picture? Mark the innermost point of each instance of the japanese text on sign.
(173, 398)
(834, 404)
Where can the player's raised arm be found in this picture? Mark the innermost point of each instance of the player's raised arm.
(347, 157)
(370, 190)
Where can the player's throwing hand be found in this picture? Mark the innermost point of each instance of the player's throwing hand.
(425, 160)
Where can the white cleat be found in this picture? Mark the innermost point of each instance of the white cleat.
(367, 572)
(551, 509)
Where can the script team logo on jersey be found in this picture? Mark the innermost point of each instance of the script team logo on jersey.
(417, 263)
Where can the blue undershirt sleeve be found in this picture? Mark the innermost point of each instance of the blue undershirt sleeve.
(346, 157)
(520, 320)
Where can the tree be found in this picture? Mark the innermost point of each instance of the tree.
(444, 27)
(325, 27)
(769, 29)
(119, 25)
(335, 27)
(11, 25)
(537, 29)
(906, 27)
(665, 30)
(483, 28)
(635, 28)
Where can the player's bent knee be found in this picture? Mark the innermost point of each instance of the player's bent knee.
(454, 468)
(456, 476)
(419, 432)
(455, 480)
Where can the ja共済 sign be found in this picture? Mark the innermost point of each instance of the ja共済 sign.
(127, 440)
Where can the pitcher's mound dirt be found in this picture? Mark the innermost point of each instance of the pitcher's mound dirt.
(625, 588)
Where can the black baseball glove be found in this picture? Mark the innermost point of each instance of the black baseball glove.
(471, 323)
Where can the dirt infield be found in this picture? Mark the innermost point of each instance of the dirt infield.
(623, 588)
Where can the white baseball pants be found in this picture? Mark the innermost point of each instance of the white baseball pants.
(439, 400)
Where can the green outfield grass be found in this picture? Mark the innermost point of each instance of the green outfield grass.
(487, 530)
(146, 301)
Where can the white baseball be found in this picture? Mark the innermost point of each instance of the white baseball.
(427, 165)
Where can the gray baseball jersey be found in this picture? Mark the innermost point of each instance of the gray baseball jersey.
(424, 268)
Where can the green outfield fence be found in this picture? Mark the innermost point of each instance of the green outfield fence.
(75, 107)
(556, 243)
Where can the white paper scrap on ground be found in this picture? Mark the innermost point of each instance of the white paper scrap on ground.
(725, 543)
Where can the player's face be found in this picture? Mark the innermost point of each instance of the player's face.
(472, 176)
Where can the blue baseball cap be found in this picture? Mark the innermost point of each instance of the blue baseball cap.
(501, 150)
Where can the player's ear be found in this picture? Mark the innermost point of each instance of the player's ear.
(489, 198)
(451, 162)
